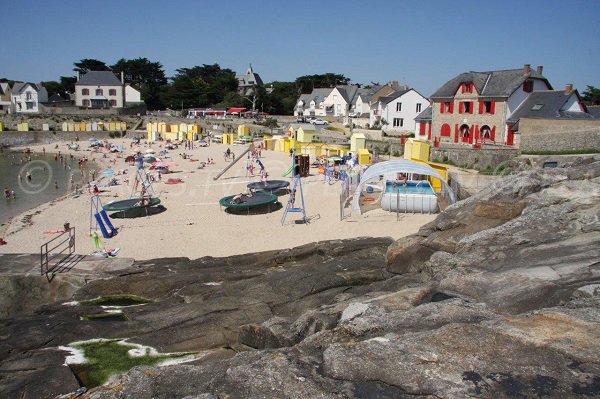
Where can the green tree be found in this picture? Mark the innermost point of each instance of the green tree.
(305, 84)
(90, 64)
(200, 86)
(53, 87)
(68, 84)
(147, 77)
(591, 95)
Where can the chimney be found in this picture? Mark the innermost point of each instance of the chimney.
(539, 69)
(77, 76)
(122, 78)
(568, 88)
(526, 69)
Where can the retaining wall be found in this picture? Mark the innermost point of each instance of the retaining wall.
(486, 157)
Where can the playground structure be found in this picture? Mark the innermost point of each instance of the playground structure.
(221, 173)
(142, 194)
(268, 185)
(99, 219)
(247, 202)
(290, 206)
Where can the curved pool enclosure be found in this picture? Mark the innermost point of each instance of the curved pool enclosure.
(412, 196)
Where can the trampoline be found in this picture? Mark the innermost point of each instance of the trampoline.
(269, 185)
(258, 199)
(129, 204)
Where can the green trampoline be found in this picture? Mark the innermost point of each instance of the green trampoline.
(245, 202)
(130, 204)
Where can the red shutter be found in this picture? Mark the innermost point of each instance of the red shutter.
(442, 107)
(422, 128)
(510, 136)
(481, 107)
(493, 135)
(476, 133)
(462, 87)
(428, 130)
(460, 107)
(471, 133)
(493, 107)
(451, 106)
(456, 133)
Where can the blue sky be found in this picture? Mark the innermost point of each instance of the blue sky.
(419, 43)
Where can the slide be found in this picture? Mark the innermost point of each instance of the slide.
(113, 229)
(101, 225)
(287, 172)
(250, 148)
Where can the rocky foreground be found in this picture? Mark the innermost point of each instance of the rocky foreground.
(497, 297)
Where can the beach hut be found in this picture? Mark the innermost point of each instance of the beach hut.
(64, 127)
(101, 126)
(174, 128)
(228, 138)
(45, 127)
(305, 133)
(23, 127)
(123, 126)
(357, 141)
(94, 126)
(82, 126)
(243, 130)
(1, 127)
(163, 127)
(416, 150)
(364, 157)
(76, 127)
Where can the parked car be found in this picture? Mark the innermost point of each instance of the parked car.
(318, 122)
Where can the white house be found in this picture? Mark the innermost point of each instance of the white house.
(100, 89)
(339, 101)
(132, 95)
(313, 104)
(397, 112)
(26, 97)
(5, 97)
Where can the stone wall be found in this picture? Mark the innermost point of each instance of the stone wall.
(35, 137)
(486, 157)
(553, 135)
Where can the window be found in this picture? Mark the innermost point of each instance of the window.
(112, 103)
(398, 122)
(29, 106)
(86, 103)
(446, 107)
(528, 86)
(85, 92)
(445, 130)
(418, 107)
(467, 87)
(465, 107)
(112, 92)
(464, 131)
(398, 107)
(99, 92)
(28, 96)
(537, 107)
(487, 107)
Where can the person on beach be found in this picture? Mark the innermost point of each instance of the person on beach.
(6, 193)
(28, 176)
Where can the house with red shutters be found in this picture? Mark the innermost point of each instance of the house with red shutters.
(474, 108)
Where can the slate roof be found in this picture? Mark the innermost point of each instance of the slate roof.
(99, 78)
(594, 110)
(551, 102)
(388, 99)
(348, 92)
(425, 115)
(305, 98)
(318, 95)
(490, 83)
(19, 87)
(3, 88)
(366, 93)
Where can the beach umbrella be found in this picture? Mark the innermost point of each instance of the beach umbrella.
(92, 139)
(151, 158)
(150, 151)
(164, 163)
(108, 172)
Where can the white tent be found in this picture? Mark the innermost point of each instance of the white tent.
(389, 170)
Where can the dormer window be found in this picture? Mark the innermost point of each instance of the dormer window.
(467, 87)
(537, 107)
(528, 86)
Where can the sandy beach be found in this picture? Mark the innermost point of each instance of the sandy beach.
(193, 224)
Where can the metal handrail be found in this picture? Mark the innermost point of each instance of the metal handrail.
(68, 236)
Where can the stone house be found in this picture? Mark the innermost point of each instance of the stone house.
(474, 107)
(554, 120)
(248, 82)
(26, 97)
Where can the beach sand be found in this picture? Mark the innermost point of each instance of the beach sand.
(193, 224)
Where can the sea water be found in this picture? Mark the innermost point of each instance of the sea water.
(50, 179)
